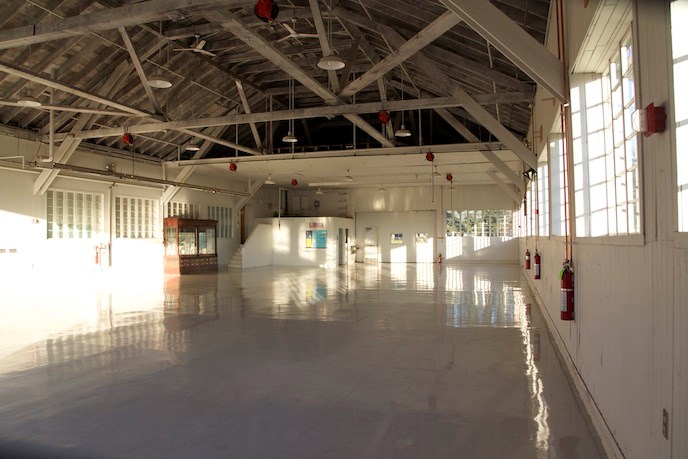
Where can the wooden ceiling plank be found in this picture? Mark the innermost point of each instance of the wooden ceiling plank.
(112, 18)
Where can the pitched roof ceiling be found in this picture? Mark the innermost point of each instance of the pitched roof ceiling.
(88, 65)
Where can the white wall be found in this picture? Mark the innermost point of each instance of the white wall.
(23, 214)
(289, 241)
(629, 342)
(408, 224)
(481, 249)
(412, 201)
(258, 248)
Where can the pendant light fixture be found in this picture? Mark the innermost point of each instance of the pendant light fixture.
(348, 177)
(158, 80)
(25, 98)
(381, 189)
(270, 181)
(290, 137)
(320, 191)
(331, 62)
(402, 132)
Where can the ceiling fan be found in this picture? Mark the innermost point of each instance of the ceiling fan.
(293, 33)
(200, 44)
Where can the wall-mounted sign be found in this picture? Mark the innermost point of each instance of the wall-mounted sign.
(421, 238)
(316, 225)
(397, 239)
(316, 239)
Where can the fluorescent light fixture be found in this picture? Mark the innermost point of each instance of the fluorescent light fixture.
(26, 100)
(192, 147)
(159, 81)
(403, 132)
(290, 138)
(332, 62)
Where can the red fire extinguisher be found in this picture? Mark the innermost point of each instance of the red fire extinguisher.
(527, 258)
(537, 264)
(566, 274)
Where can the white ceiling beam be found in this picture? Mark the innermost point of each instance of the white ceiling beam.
(247, 110)
(324, 44)
(69, 145)
(62, 154)
(218, 141)
(252, 189)
(470, 105)
(260, 117)
(127, 15)
(271, 53)
(488, 154)
(514, 42)
(423, 38)
(139, 70)
(12, 70)
(349, 63)
(449, 149)
(505, 187)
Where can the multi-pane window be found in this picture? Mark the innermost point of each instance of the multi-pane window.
(480, 223)
(618, 91)
(223, 215)
(679, 48)
(543, 196)
(136, 218)
(182, 209)
(559, 184)
(72, 215)
(605, 148)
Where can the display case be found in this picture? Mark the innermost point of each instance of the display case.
(190, 245)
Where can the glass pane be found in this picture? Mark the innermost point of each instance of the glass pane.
(187, 241)
(210, 242)
(171, 240)
(202, 241)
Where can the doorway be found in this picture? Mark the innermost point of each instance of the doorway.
(370, 251)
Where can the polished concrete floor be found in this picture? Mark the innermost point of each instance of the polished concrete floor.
(379, 361)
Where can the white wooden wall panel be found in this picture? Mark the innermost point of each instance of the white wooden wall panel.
(679, 427)
(623, 302)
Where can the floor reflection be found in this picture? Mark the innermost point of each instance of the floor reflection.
(380, 360)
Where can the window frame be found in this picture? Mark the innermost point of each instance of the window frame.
(607, 87)
(135, 218)
(97, 232)
(680, 237)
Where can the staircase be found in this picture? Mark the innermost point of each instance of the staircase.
(235, 262)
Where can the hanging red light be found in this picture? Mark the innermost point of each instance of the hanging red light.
(294, 182)
(128, 139)
(450, 177)
(383, 116)
(232, 167)
(266, 10)
(429, 156)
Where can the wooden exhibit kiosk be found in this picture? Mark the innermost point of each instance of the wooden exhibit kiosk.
(190, 245)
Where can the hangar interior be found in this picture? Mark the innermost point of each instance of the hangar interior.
(375, 173)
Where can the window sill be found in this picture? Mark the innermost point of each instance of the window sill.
(680, 240)
(628, 240)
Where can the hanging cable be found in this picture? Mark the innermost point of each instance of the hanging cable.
(563, 110)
